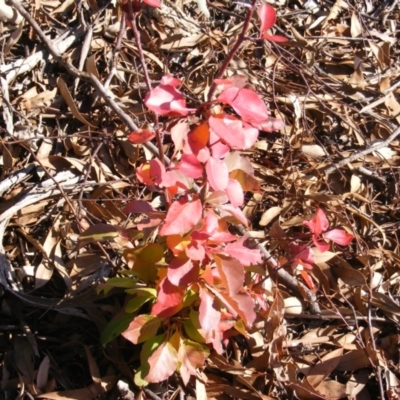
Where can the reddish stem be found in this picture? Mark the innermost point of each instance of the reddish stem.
(234, 49)
(136, 33)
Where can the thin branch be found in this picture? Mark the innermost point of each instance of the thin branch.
(362, 153)
(84, 75)
(234, 49)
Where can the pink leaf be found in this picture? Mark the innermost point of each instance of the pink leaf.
(235, 193)
(163, 363)
(232, 273)
(269, 125)
(245, 306)
(179, 133)
(237, 134)
(191, 355)
(141, 136)
(182, 271)
(190, 166)
(218, 148)
(165, 99)
(318, 224)
(321, 245)
(339, 236)
(246, 103)
(195, 251)
(235, 212)
(142, 328)
(181, 217)
(245, 255)
(217, 173)
(210, 224)
(274, 38)
(267, 15)
(209, 317)
(204, 154)
(153, 3)
(302, 252)
(169, 300)
(157, 170)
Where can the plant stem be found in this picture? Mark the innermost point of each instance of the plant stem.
(234, 49)
(136, 33)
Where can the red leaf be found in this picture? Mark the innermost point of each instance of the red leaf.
(182, 271)
(143, 174)
(246, 103)
(190, 165)
(197, 139)
(153, 3)
(165, 99)
(320, 244)
(245, 255)
(308, 280)
(339, 237)
(163, 363)
(231, 272)
(274, 38)
(169, 300)
(301, 253)
(209, 317)
(267, 15)
(237, 134)
(217, 173)
(141, 136)
(139, 207)
(235, 193)
(181, 217)
(157, 170)
(318, 224)
(142, 328)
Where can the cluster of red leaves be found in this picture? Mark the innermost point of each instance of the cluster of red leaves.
(200, 272)
(195, 279)
(302, 256)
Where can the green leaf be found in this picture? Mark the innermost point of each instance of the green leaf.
(190, 297)
(114, 328)
(127, 283)
(135, 303)
(143, 292)
(141, 372)
(192, 327)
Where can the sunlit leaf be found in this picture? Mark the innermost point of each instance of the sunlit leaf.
(169, 299)
(142, 328)
(163, 363)
(181, 217)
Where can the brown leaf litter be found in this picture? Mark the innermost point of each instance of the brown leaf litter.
(67, 165)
